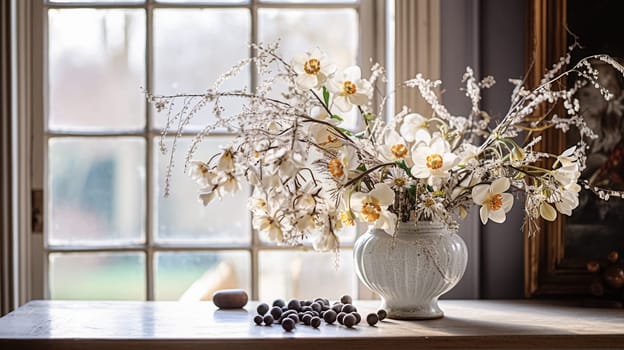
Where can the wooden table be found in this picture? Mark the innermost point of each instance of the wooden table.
(172, 325)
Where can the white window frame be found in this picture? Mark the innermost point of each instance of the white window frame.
(32, 138)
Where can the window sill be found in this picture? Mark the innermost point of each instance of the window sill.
(168, 325)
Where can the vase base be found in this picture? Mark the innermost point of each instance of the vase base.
(420, 312)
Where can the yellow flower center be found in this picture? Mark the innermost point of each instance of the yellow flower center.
(203, 169)
(312, 66)
(347, 219)
(371, 210)
(349, 88)
(399, 151)
(399, 182)
(494, 202)
(434, 161)
(429, 202)
(330, 139)
(335, 168)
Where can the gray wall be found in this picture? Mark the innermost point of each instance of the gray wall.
(488, 35)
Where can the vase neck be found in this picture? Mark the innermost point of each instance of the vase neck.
(421, 227)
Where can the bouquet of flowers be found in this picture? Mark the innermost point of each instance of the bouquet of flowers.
(312, 175)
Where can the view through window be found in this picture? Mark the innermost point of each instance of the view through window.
(110, 233)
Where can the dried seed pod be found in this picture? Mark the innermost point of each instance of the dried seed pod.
(306, 319)
(372, 319)
(346, 299)
(315, 322)
(349, 320)
(330, 316)
(294, 304)
(347, 308)
(258, 320)
(340, 317)
(276, 312)
(382, 314)
(358, 317)
(262, 309)
(268, 320)
(279, 302)
(288, 324)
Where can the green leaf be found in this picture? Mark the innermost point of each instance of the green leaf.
(429, 188)
(326, 96)
(337, 117)
(345, 131)
(362, 167)
(369, 116)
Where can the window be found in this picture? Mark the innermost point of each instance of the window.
(109, 232)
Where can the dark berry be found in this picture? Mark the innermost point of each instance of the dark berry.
(316, 307)
(306, 319)
(294, 304)
(358, 317)
(337, 307)
(306, 303)
(288, 324)
(262, 309)
(268, 320)
(346, 299)
(340, 317)
(294, 317)
(306, 308)
(315, 322)
(372, 319)
(279, 302)
(258, 320)
(330, 316)
(349, 320)
(276, 312)
(348, 308)
(382, 314)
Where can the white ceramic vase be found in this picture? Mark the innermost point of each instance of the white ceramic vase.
(413, 269)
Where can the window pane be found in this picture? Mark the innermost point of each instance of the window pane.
(305, 274)
(205, 1)
(182, 218)
(107, 1)
(193, 47)
(96, 69)
(298, 32)
(96, 190)
(102, 276)
(196, 276)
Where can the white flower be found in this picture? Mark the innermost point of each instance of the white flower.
(326, 242)
(398, 179)
(202, 174)
(567, 174)
(372, 207)
(469, 154)
(393, 147)
(433, 160)
(305, 200)
(306, 224)
(258, 202)
(226, 162)
(269, 225)
(415, 128)
(228, 183)
(207, 195)
(350, 89)
(494, 203)
(567, 157)
(312, 69)
(568, 201)
(322, 134)
(344, 162)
